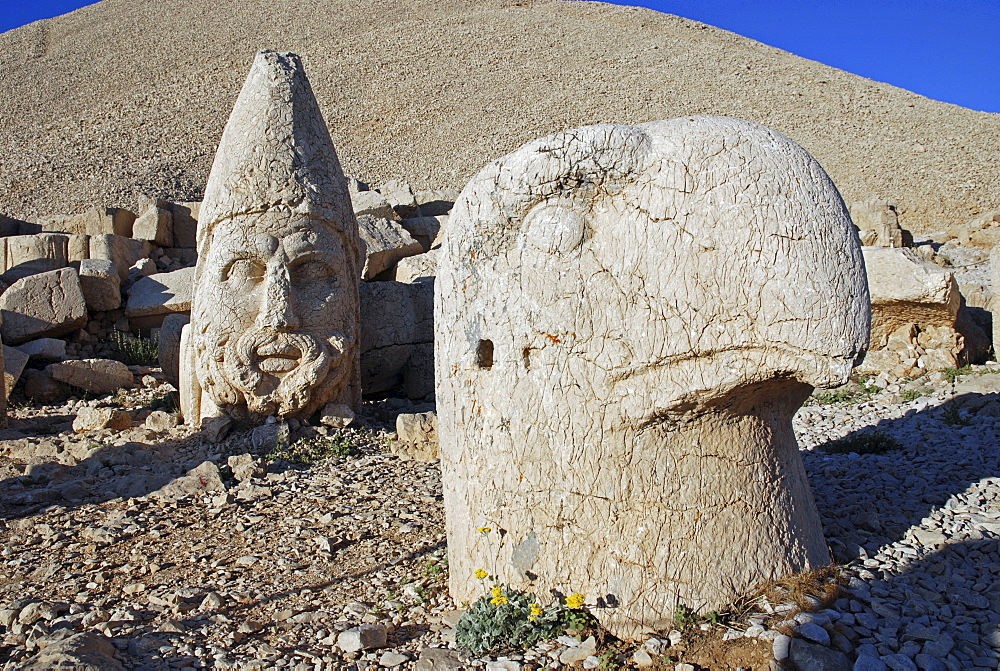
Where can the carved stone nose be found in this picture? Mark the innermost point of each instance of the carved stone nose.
(276, 311)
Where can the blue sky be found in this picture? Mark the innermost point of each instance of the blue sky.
(943, 49)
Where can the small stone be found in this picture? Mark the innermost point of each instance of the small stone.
(929, 663)
(806, 655)
(161, 421)
(336, 415)
(657, 646)
(780, 647)
(899, 662)
(815, 633)
(392, 658)
(579, 653)
(365, 637)
(95, 419)
(642, 658)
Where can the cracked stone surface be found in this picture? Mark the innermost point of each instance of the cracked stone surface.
(274, 326)
(626, 320)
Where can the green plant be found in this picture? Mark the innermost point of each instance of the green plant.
(167, 402)
(133, 350)
(952, 415)
(506, 618)
(864, 442)
(609, 659)
(952, 373)
(311, 450)
(856, 391)
(910, 394)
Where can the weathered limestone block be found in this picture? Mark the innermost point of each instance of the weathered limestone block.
(274, 324)
(155, 224)
(169, 346)
(44, 305)
(185, 223)
(14, 361)
(44, 349)
(397, 337)
(424, 230)
(32, 254)
(915, 306)
(95, 419)
(436, 203)
(88, 651)
(626, 320)
(124, 252)
(416, 268)
(373, 204)
(78, 249)
(152, 298)
(400, 196)
(98, 376)
(101, 284)
(416, 436)
(102, 221)
(386, 242)
(878, 224)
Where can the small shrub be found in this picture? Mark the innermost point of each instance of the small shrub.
(910, 394)
(866, 442)
(310, 450)
(854, 392)
(168, 402)
(509, 618)
(685, 617)
(133, 350)
(952, 374)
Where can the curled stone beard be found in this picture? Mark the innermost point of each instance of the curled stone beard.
(234, 375)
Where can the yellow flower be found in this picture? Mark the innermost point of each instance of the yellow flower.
(495, 592)
(536, 610)
(575, 601)
(499, 600)
(484, 530)
(480, 573)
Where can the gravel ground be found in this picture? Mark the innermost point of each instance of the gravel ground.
(260, 563)
(120, 99)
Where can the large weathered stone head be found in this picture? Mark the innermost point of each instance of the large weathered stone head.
(626, 320)
(275, 315)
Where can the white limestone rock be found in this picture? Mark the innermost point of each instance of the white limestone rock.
(124, 252)
(274, 323)
(32, 254)
(397, 337)
(386, 242)
(626, 319)
(101, 284)
(419, 267)
(152, 298)
(48, 304)
(155, 224)
(98, 376)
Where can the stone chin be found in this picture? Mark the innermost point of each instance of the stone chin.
(257, 374)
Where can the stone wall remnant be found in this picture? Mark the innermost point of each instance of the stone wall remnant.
(626, 319)
(274, 323)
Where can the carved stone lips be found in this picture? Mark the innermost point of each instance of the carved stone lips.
(278, 357)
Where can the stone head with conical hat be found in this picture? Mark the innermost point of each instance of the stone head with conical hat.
(274, 324)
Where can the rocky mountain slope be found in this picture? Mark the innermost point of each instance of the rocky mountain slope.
(122, 99)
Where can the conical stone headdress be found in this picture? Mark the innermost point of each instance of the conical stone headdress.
(276, 154)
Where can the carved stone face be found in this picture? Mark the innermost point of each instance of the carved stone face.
(275, 311)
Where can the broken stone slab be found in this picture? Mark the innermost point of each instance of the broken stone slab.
(78, 249)
(152, 298)
(48, 304)
(436, 203)
(372, 204)
(169, 346)
(397, 337)
(87, 651)
(101, 284)
(41, 388)
(274, 323)
(416, 436)
(45, 350)
(95, 419)
(98, 376)
(365, 637)
(400, 197)
(31, 254)
(336, 415)
(155, 224)
(386, 242)
(185, 223)
(877, 221)
(202, 479)
(14, 361)
(419, 267)
(104, 220)
(182, 255)
(573, 363)
(424, 230)
(124, 252)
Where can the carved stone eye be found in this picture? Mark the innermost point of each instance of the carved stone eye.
(312, 271)
(555, 227)
(242, 270)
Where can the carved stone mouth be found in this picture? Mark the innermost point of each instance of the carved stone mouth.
(277, 364)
